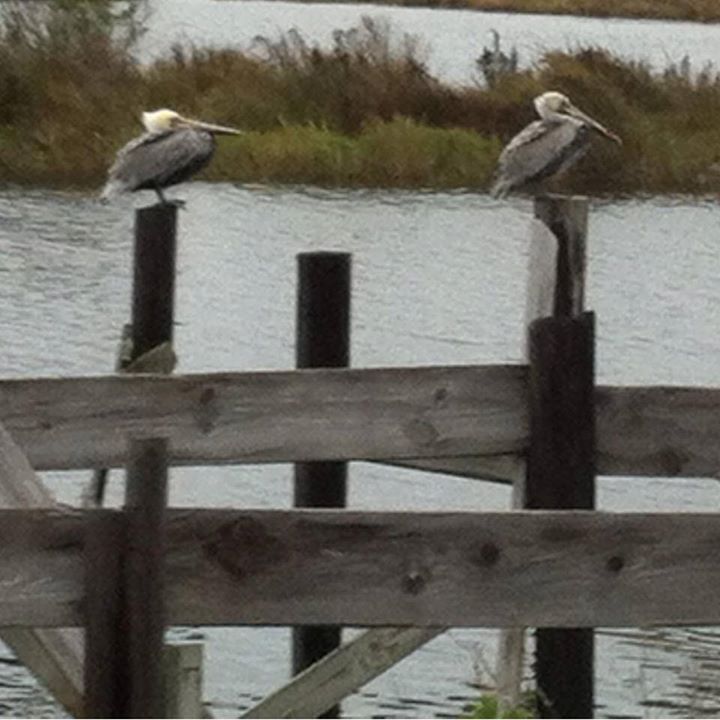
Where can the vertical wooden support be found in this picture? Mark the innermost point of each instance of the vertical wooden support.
(183, 667)
(555, 288)
(153, 304)
(567, 220)
(105, 680)
(145, 502)
(561, 475)
(322, 340)
(153, 277)
(560, 471)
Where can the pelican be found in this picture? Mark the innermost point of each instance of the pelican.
(547, 146)
(172, 149)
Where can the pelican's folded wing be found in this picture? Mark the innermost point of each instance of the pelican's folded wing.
(537, 152)
(158, 159)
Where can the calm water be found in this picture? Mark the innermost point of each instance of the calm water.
(454, 38)
(438, 278)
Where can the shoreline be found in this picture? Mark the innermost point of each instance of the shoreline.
(626, 9)
(364, 113)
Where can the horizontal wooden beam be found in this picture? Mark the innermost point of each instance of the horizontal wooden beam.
(658, 431)
(447, 419)
(226, 567)
(643, 431)
(301, 415)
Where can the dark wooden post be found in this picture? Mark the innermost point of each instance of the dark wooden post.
(145, 502)
(153, 277)
(153, 303)
(561, 458)
(105, 680)
(322, 340)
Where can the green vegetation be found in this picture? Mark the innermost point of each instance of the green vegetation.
(364, 113)
(486, 708)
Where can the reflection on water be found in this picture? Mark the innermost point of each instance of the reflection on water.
(454, 37)
(437, 278)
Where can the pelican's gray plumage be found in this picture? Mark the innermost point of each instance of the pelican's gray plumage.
(547, 146)
(172, 149)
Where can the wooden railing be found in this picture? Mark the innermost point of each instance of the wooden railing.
(126, 574)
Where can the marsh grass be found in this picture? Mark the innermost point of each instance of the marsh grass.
(397, 153)
(364, 112)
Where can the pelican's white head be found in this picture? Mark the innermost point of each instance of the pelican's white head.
(554, 105)
(161, 120)
(164, 120)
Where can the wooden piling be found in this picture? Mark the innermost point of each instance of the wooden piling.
(153, 304)
(555, 288)
(322, 340)
(105, 679)
(567, 220)
(153, 277)
(134, 621)
(145, 502)
(560, 471)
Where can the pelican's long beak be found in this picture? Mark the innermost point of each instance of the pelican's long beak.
(580, 115)
(209, 127)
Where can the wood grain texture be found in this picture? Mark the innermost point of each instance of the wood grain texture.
(658, 431)
(535, 568)
(655, 431)
(54, 656)
(409, 415)
(340, 673)
(324, 414)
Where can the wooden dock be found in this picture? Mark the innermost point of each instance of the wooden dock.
(553, 562)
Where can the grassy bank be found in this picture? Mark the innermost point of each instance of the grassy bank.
(364, 113)
(692, 10)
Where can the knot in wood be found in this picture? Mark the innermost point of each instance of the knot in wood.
(489, 554)
(414, 582)
(615, 564)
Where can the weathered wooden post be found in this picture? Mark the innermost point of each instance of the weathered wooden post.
(138, 628)
(153, 304)
(322, 340)
(146, 342)
(145, 502)
(561, 457)
(125, 612)
(555, 287)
